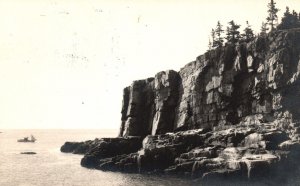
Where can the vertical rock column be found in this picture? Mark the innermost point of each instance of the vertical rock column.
(189, 105)
(125, 103)
(166, 99)
(137, 111)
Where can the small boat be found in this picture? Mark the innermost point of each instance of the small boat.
(26, 139)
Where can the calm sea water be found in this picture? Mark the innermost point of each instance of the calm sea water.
(51, 167)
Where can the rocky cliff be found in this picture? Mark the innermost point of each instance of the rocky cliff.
(222, 87)
(232, 111)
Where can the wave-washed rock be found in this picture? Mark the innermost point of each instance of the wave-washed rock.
(231, 113)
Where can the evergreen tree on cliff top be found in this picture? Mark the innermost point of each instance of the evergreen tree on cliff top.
(233, 35)
(289, 20)
(209, 44)
(213, 37)
(263, 28)
(218, 32)
(248, 33)
(272, 14)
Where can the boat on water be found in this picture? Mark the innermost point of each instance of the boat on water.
(32, 139)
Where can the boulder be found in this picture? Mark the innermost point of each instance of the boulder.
(76, 147)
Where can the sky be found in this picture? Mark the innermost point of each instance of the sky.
(64, 64)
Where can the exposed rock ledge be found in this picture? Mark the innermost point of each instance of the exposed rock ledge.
(233, 112)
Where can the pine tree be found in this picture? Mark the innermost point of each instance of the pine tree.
(233, 35)
(248, 33)
(218, 32)
(272, 14)
(213, 37)
(289, 20)
(209, 44)
(263, 28)
(287, 12)
(295, 14)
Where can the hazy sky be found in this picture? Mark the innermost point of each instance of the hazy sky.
(64, 64)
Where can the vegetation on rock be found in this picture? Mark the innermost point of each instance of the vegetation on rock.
(289, 21)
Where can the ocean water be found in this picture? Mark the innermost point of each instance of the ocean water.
(50, 167)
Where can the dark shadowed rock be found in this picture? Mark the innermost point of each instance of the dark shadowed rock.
(110, 147)
(78, 147)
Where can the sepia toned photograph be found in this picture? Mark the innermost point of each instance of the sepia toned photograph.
(150, 93)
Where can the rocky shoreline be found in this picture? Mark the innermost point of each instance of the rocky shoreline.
(232, 113)
(243, 151)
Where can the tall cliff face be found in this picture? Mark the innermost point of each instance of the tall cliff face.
(224, 86)
(231, 113)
